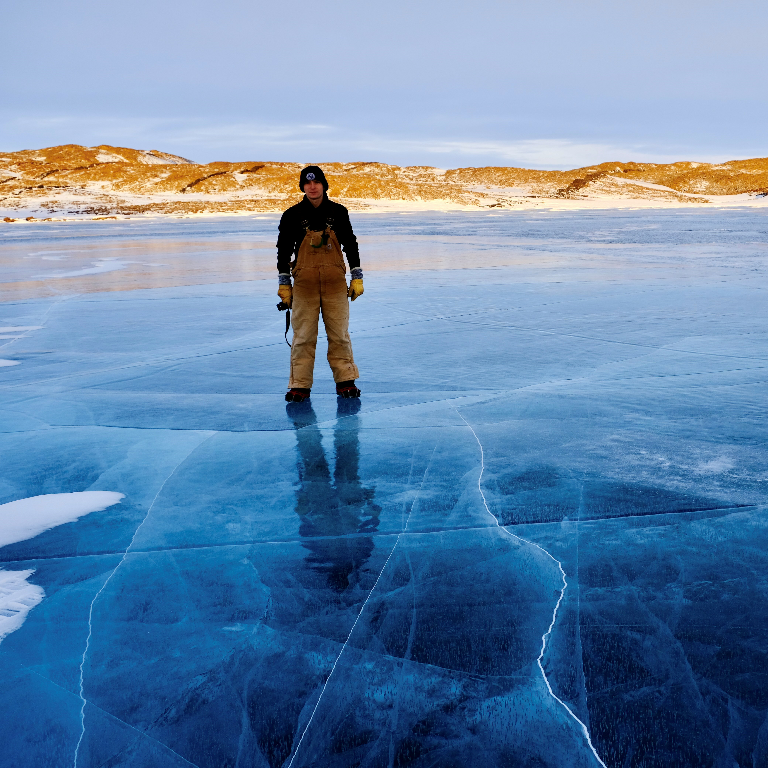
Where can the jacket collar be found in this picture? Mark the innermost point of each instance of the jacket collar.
(305, 202)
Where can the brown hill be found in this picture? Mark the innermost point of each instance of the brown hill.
(105, 180)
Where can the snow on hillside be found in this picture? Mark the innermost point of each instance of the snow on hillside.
(72, 180)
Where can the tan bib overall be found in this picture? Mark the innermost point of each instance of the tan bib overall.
(320, 285)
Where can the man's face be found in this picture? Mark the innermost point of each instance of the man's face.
(313, 190)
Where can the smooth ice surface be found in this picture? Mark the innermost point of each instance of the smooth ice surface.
(538, 540)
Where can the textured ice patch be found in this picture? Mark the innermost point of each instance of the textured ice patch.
(17, 598)
(716, 466)
(99, 267)
(14, 332)
(46, 255)
(26, 518)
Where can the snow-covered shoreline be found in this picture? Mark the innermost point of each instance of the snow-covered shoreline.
(377, 206)
(77, 182)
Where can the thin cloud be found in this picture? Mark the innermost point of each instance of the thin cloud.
(249, 140)
(333, 143)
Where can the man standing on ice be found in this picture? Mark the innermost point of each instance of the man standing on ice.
(315, 230)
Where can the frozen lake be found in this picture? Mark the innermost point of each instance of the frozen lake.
(538, 540)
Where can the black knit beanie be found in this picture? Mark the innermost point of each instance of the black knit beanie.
(312, 173)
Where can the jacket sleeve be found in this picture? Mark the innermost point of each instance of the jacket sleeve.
(286, 242)
(347, 238)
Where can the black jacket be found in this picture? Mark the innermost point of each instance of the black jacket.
(302, 216)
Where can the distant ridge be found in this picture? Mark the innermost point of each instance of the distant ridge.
(73, 180)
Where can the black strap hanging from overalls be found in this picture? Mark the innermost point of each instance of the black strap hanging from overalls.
(282, 307)
(287, 325)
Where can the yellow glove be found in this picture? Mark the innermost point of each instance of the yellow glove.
(285, 292)
(355, 289)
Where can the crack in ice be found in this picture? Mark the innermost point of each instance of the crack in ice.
(546, 635)
(61, 688)
(485, 323)
(379, 534)
(103, 586)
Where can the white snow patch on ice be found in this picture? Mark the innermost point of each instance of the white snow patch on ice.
(19, 328)
(17, 598)
(8, 363)
(26, 518)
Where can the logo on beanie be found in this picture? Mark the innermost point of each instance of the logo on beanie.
(310, 177)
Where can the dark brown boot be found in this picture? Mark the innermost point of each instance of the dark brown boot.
(347, 389)
(296, 395)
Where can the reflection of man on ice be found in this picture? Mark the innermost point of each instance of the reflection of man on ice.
(338, 515)
(315, 230)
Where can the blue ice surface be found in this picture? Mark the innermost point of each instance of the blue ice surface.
(548, 398)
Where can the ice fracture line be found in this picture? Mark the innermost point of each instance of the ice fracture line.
(208, 435)
(44, 319)
(546, 635)
(357, 618)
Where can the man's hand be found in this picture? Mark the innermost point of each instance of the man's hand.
(285, 292)
(355, 289)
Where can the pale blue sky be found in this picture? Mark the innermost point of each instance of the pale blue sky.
(543, 83)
